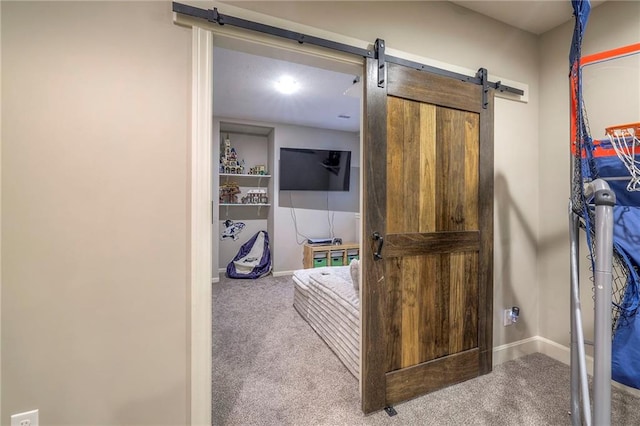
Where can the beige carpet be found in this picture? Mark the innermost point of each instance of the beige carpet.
(270, 368)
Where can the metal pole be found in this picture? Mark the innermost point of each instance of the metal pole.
(604, 200)
(574, 229)
(579, 383)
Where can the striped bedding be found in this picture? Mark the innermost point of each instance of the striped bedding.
(301, 285)
(326, 299)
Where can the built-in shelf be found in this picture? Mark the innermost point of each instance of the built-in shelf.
(242, 205)
(244, 175)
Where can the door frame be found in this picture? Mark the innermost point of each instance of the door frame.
(200, 248)
(204, 37)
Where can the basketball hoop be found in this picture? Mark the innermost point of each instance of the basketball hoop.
(624, 139)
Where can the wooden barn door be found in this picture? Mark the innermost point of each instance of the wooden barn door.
(428, 210)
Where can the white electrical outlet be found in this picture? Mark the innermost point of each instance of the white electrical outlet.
(508, 319)
(28, 418)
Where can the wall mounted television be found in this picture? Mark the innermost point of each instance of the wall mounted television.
(304, 169)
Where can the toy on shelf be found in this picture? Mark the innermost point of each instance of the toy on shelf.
(229, 163)
(229, 193)
(260, 169)
(256, 196)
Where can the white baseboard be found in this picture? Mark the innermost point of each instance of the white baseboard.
(549, 348)
(504, 353)
(216, 278)
(275, 274)
(535, 344)
(560, 352)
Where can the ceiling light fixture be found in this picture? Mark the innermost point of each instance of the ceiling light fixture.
(287, 85)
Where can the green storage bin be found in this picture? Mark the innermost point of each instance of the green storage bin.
(352, 254)
(319, 260)
(317, 263)
(336, 258)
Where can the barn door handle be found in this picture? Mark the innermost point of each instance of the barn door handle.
(377, 237)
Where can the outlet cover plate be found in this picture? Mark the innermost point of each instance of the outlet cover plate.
(507, 317)
(28, 418)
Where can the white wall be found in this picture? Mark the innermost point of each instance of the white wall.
(315, 212)
(612, 24)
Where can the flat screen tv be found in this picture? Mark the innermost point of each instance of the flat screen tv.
(303, 169)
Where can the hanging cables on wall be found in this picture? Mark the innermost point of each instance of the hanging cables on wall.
(330, 218)
(292, 210)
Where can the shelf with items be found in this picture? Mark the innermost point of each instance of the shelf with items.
(243, 175)
(244, 180)
(230, 193)
(329, 255)
(238, 188)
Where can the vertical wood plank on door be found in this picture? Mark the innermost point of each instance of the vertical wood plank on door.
(395, 165)
(393, 342)
(452, 178)
(457, 300)
(471, 301)
(429, 277)
(411, 167)
(429, 319)
(410, 311)
(395, 223)
(427, 175)
(442, 305)
(448, 191)
(471, 170)
(411, 220)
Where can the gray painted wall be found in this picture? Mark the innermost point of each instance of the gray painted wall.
(95, 105)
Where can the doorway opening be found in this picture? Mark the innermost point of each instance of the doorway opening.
(256, 125)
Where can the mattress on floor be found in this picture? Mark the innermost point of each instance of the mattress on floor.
(325, 297)
(301, 293)
(334, 315)
(301, 285)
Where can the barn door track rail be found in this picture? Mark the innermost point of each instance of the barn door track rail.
(378, 51)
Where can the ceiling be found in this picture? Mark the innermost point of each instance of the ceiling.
(244, 83)
(534, 16)
(244, 89)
